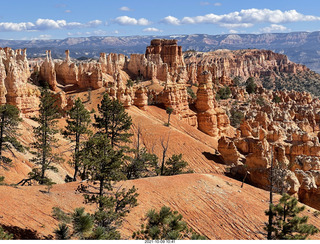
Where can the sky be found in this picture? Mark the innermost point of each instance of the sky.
(59, 19)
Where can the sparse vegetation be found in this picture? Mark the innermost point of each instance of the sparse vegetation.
(77, 127)
(4, 235)
(236, 117)
(165, 225)
(251, 85)
(276, 99)
(175, 165)
(287, 225)
(9, 121)
(223, 93)
(45, 140)
(191, 93)
(169, 111)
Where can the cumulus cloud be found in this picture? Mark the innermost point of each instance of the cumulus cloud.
(124, 8)
(126, 20)
(151, 29)
(217, 4)
(67, 11)
(9, 26)
(171, 20)
(274, 28)
(46, 24)
(244, 18)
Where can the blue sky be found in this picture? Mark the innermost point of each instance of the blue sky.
(57, 19)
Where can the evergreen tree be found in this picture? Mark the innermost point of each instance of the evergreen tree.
(142, 165)
(175, 165)
(44, 134)
(250, 85)
(9, 121)
(165, 225)
(287, 225)
(4, 235)
(169, 111)
(78, 123)
(62, 232)
(113, 121)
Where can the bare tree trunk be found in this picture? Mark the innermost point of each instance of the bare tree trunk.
(164, 151)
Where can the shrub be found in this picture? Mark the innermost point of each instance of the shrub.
(236, 117)
(276, 99)
(191, 93)
(223, 93)
(250, 85)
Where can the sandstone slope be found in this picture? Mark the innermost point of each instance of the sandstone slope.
(213, 205)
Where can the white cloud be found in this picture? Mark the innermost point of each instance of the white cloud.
(233, 31)
(245, 18)
(23, 26)
(124, 8)
(274, 28)
(67, 11)
(151, 29)
(217, 4)
(171, 20)
(126, 20)
(46, 24)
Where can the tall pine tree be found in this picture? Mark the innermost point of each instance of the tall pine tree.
(78, 123)
(45, 140)
(9, 121)
(103, 155)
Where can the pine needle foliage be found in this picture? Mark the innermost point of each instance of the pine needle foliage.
(45, 138)
(165, 225)
(9, 122)
(113, 121)
(77, 126)
(287, 225)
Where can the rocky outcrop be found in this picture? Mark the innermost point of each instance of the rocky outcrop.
(224, 64)
(14, 86)
(48, 73)
(285, 133)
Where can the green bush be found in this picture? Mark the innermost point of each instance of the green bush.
(236, 117)
(250, 85)
(276, 99)
(191, 93)
(223, 93)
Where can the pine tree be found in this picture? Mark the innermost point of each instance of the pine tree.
(113, 121)
(287, 225)
(250, 85)
(78, 123)
(175, 165)
(165, 225)
(44, 134)
(169, 111)
(9, 121)
(103, 156)
(144, 164)
(103, 166)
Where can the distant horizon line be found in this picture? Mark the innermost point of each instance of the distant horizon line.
(170, 35)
